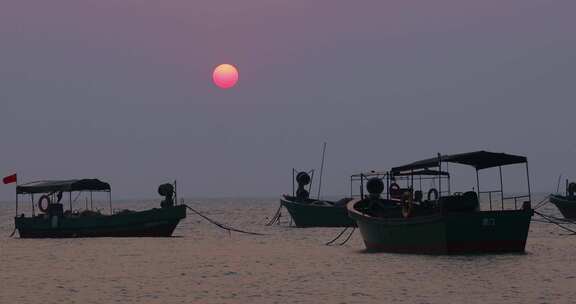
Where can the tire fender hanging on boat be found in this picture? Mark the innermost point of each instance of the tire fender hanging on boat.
(431, 192)
(41, 205)
(394, 190)
(407, 204)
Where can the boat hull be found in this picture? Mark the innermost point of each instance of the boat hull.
(455, 233)
(148, 223)
(307, 215)
(566, 206)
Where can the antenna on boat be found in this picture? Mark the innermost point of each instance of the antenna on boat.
(175, 193)
(321, 169)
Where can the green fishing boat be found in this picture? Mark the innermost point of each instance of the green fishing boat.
(395, 218)
(308, 212)
(566, 203)
(52, 221)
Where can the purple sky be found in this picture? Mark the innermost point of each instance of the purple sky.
(122, 90)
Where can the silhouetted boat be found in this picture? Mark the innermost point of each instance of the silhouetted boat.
(54, 222)
(307, 212)
(444, 222)
(566, 203)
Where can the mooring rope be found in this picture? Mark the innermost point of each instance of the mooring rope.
(555, 223)
(337, 237)
(340, 235)
(228, 228)
(276, 216)
(349, 236)
(13, 232)
(542, 203)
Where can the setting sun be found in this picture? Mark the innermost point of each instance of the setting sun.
(225, 76)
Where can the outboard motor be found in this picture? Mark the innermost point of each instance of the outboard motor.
(303, 179)
(167, 191)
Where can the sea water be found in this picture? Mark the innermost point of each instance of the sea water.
(204, 264)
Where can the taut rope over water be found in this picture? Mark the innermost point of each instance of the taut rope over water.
(276, 218)
(229, 229)
(542, 203)
(340, 235)
(13, 232)
(547, 218)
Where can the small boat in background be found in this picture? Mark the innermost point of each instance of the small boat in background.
(53, 222)
(404, 221)
(308, 212)
(566, 203)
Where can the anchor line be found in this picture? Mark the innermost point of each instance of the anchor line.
(340, 235)
(337, 237)
(349, 236)
(222, 226)
(276, 216)
(542, 203)
(555, 223)
(13, 232)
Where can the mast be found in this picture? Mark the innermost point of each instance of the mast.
(321, 169)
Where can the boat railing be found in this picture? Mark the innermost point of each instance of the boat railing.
(495, 196)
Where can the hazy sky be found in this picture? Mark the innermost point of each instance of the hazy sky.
(121, 89)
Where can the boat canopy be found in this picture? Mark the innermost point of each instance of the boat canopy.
(479, 160)
(424, 172)
(63, 185)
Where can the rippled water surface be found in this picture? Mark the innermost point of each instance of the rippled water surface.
(203, 264)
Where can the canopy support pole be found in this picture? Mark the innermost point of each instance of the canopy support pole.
(16, 199)
(293, 193)
(110, 201)
(361, 186)
(477, 183)
(439, 176)
(502, 188)
(528, 179)
(70, 200)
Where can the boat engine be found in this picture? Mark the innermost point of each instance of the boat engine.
(167, 191)
(303, 179)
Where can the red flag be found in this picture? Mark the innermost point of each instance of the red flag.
(10, 179)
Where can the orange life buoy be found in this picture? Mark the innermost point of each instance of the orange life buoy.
(41, 206)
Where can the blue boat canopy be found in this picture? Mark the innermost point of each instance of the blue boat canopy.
(63, 185)
(479, 160)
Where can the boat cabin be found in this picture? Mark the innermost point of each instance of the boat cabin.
(53, 194)
(424, 187)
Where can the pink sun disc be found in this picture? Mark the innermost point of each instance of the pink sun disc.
(225, 76)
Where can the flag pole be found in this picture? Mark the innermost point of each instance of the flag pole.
(16, 190)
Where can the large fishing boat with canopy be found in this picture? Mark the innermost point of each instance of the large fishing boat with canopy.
(412, 208)
(49, 219)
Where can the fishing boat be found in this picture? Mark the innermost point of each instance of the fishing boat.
(566, 203)
(52, 221)
(309, 212)
(396, 216)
